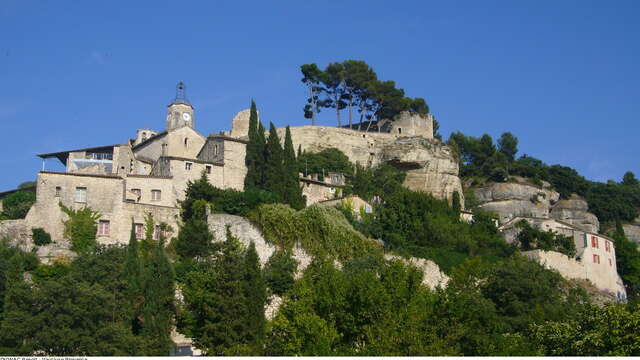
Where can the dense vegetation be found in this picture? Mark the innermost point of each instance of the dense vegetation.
(17, 204)
(480, 159)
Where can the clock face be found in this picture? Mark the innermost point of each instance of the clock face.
(186, 116)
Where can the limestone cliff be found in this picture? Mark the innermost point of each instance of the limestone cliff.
(575, 211)
(429, 163)
(512, 199)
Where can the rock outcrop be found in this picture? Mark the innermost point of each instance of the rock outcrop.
(575, 211)
(433, 276)
(511, 199)
(429, 163)
(632, 231)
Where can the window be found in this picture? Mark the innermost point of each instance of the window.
(156, 195)
(81, 194)
(139, 231)
(594, 242)
(187, 166)
(58, 191)
(156, 232)
(137, 193)
(215, 149)
(186, 142)
(208, 167)
(103, 227)
(399, 130)
(610, 263)
(596, 259)
(607, 246)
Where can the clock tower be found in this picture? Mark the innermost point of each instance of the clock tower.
(180, 112)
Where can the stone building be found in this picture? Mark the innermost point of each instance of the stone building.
(318, 189)
(146, 174)
(595, 258)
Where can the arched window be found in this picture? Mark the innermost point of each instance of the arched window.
(399, 130)
(215, 149)
(186, 142)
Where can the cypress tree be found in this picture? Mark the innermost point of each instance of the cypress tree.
(215, 305)
(133, 292)
(18, 324)
(274, 166)
(292, 190)
(261, 151)
(253, 155)
(255, 296)
(159, 309)
(194, 239)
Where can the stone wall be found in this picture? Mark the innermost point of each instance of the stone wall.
(408, 124)
(429, 164)
(104, 195)
(146, 184)
(597, 274)
(234, 169)
(316, 192)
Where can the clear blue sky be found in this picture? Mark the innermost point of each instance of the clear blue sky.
(561, 75)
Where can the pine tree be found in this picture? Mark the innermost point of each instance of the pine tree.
(274, 166)
(255, 296)
(253, 154)
(292, 190)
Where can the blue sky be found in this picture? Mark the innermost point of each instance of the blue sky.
(561, 75)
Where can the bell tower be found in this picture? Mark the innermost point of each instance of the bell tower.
(180, 112)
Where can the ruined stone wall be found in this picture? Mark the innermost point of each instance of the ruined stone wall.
(429, 163)
(408, 124)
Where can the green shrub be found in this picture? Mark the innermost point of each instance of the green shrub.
(40, 237)
(80, 229)
(321, 230)
(17, 204)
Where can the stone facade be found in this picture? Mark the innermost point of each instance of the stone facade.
(595, 256)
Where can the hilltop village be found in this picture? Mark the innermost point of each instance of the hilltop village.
(149, 173)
